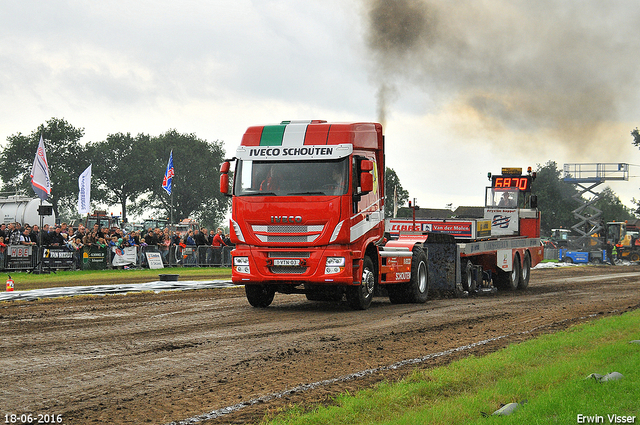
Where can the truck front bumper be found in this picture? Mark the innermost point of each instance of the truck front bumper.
(329, 266)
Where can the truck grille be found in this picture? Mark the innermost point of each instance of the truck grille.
(288, 254)
(287, 234)
(287, 270)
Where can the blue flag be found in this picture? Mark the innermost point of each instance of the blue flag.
(168, 175)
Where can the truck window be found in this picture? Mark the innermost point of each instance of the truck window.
(291, 178)
(502, 198)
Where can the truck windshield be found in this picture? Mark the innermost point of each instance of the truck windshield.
(290, 178)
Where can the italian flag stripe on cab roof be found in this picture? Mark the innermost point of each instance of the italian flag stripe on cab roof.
(288, 133)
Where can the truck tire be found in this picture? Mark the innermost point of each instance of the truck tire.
(634, 256)
(417, 289)
(260, 296)
(509, 280)
(469, 283)
(525, 272)
(360, 297)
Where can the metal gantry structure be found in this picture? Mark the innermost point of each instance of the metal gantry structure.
(588, 176)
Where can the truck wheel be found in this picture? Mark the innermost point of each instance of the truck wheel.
(468, 282)
(509, 280)
(360, 297)
(525, 273)
(634, 256)
(260, 295)
(417, 289)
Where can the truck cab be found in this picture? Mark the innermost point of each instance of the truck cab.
(307, 205)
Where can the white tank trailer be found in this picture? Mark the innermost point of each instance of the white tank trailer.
(23, 209)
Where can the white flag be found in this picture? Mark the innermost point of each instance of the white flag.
(40, 173)
(84, 197)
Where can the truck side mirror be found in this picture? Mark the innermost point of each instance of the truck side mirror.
(534, 201)
(366, 178)
(224, 177)
(224, 184)
(366, 183)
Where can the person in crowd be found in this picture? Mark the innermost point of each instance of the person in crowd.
(35, 234)
(56, 238)
(3, 250)
(200, 237)
(101, 243)
(44, 235)
(151, 238)
(218, 240)
(189, 239)
(90, 238)
(216, 246)
(25, 239)
(64, 230)
(175, 239)
(3, 229)
(14, 233)
(98, 230)
(163, 244)
(76, 246)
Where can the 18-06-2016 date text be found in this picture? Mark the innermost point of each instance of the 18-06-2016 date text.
(33, 418)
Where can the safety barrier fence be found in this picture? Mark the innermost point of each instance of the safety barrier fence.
(94, 257)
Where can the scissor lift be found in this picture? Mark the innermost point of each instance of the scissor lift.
(587, 177)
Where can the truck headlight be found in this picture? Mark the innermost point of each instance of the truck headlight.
(334, 265)
(241, 264)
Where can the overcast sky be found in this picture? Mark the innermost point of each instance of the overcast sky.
(462, 88)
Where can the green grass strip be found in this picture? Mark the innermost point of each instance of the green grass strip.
(549, 372)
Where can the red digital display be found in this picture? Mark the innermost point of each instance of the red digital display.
(521, 183)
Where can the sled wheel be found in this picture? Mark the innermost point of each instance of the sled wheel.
(525, 272)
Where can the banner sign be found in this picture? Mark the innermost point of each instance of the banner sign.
(20, 251)
(58, 258)
(84, 196)
(504, 221)
(124, 257)
(94, 258)
(155, 260)
(460, 229)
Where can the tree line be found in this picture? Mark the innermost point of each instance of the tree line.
(127, 170)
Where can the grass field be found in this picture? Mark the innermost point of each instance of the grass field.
(547, 375)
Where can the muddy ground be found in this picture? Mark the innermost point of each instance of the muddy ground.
(172, 356)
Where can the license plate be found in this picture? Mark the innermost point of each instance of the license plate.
(286, 262)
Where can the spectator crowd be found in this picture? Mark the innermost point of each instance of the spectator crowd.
(77, 239)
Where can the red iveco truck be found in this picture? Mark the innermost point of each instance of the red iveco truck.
(308, 217)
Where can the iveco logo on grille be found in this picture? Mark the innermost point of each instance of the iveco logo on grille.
(286, 219)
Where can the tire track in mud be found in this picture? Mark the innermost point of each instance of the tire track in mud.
(161, 357)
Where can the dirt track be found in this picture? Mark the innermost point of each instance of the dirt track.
(157, 358)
